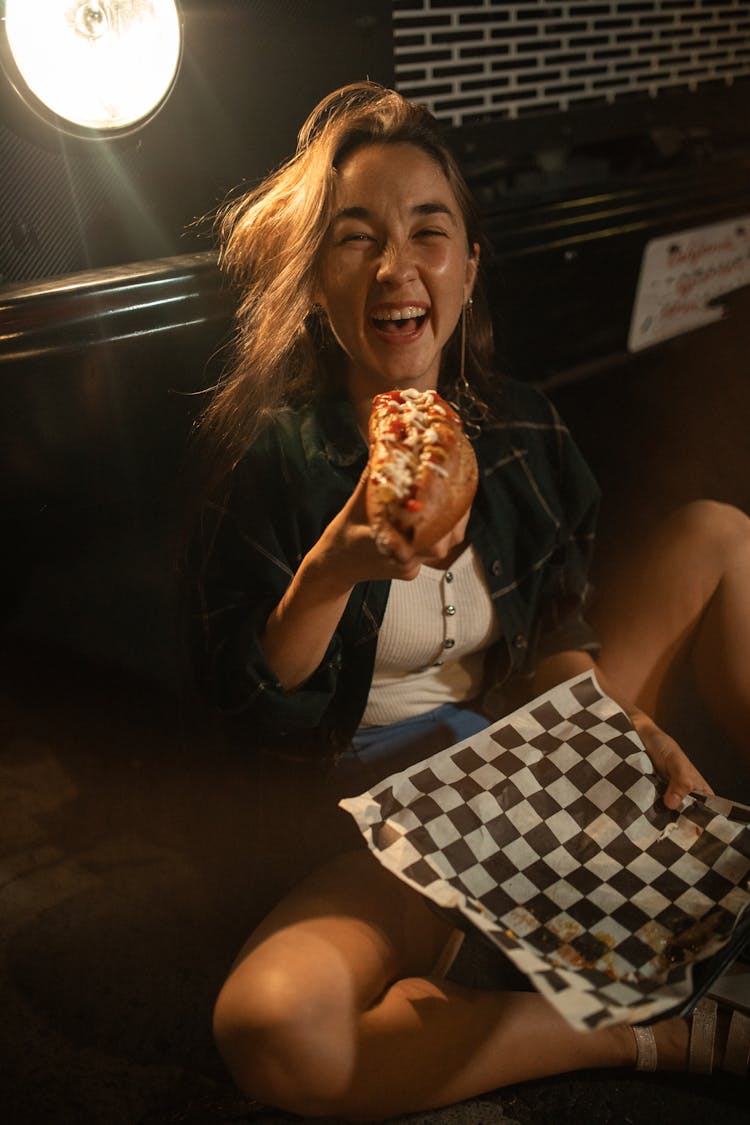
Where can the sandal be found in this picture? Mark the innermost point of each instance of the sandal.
(703, 1028)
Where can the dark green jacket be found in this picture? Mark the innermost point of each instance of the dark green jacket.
(532, 524)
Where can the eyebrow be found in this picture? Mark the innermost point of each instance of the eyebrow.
(358, 212)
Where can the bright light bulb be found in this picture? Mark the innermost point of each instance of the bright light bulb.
(99, 64)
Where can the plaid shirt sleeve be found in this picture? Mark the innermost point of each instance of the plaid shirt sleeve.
(560, 482)
(247, 549)
(561, 623)
(534, 524)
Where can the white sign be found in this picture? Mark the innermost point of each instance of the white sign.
(682, 273)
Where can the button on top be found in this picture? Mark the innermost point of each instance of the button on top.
(519, 641)
(496, 567)
(450, 610)
(448, 643)
(449, 576)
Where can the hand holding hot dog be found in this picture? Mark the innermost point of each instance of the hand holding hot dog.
(410, 507)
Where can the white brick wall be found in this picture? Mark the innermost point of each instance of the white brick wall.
(480, 60)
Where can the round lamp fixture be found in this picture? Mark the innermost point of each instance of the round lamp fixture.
(99, 66)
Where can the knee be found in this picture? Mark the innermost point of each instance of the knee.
(713, 527)
(283, 1045)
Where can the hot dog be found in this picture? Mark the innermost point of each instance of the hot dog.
(423, 472)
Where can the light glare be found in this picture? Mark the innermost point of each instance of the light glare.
(99, 64)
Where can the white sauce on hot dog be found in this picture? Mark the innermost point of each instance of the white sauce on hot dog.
(412, 441)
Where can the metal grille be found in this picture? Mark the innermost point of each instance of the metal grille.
(48, 199)
(475, 61)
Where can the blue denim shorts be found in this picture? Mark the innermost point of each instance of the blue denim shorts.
(378, 752)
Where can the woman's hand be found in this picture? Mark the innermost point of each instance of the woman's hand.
(348, 552)
(299, 630)
(669, 760)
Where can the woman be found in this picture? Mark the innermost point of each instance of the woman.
(359, 264)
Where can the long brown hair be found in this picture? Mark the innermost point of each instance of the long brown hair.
(270, 240)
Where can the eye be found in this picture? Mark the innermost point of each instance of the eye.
(357, 236)
(431, 232)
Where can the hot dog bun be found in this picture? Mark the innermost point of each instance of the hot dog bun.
(423, 472)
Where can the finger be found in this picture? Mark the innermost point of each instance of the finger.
(680, 788)
(398, 554)
(676, 768)
(356, 504)
(391, 545)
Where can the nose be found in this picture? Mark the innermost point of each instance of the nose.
(396, 264)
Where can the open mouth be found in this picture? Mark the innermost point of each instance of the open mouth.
(400, 322)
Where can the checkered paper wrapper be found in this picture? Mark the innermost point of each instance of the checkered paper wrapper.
(548, 833)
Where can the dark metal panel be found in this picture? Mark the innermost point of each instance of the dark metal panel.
(97, 374)
(571, 200)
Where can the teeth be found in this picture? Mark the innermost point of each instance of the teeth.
(407, 313)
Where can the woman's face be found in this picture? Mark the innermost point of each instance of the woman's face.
(396, 267)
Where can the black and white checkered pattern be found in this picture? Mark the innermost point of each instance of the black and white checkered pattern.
(546, 831)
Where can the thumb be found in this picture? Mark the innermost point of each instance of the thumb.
(355, 505)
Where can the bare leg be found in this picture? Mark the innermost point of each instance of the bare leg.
(684, 595)
(331, 1008)
(334, 1006)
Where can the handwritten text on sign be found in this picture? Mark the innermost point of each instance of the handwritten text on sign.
(681, 274)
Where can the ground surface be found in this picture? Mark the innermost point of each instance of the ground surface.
(130, 875)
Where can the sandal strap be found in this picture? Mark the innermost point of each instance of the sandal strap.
(736, 1058)
(737, 1051)
(702, 1037)
(645, 1048)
